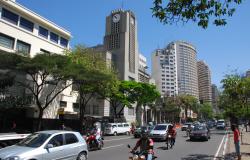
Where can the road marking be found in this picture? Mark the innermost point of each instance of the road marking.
(225, 145)
(116, 139)
(218, 151)
(113, 146)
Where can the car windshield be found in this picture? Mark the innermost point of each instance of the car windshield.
(220, 121)
(199, 128)
(35, 140)
(160, 127)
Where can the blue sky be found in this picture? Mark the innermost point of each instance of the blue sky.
(223, 48)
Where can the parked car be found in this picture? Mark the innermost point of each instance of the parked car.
(200, 132)
(185, 126)
(137, 133)
(159, 132)
(117, 128)
(221, 124)
(47, 145)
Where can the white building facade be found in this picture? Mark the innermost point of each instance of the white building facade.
(25, 32)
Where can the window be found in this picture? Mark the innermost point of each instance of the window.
(26, 24)
(10, 16)
(43, 32)
(126, 125)
(44, 51)
(22, 47)
(57, 141)
(6, 41)
(53, 37)
(76, 107)
(70, 138)
(64, 42)
(120, 125)
(63, 104)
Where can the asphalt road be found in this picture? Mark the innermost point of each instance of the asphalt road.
(115, 148)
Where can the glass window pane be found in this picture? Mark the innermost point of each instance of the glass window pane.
(22, 47)
(10, 16)
(43, 32)
(6, 41)
(53, 37)
(26, 24)
(63, 42)
(70, 138)
(57, 141)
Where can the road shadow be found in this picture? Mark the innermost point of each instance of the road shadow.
(162, 148)
(198, 157)
(245, 144)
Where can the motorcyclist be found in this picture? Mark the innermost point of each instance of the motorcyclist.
(189, 129)
(97, 133)
(146, 144)
(172, 132)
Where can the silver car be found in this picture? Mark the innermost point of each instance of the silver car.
(160, 131)
(48, 145)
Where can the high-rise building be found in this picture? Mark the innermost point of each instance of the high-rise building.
(174, 69)
(121, 41)
(164, 70)
(187, 68)
(215, 98)
(204, 80)
(248, 73)
(25, 32)
(143, 76)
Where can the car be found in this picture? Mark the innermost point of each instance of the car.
(160, 131)
(117, 128)
(221, 124)
(200, 132)
(185, 126)
(45, 145)
(137, 133)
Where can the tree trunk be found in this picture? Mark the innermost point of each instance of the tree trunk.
(40, 117)
(138, 114)
(186, 114)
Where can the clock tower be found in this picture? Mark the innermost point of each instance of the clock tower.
(121, 40)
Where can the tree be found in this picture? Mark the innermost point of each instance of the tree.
(90, 72)
(206, 111)
(46, 77)
(187, 102)
(171, 108)
(201, 12)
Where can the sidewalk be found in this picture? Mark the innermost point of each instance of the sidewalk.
(244, 147)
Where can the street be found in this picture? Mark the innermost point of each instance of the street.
(115, 148)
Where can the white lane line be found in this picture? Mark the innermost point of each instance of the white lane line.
(113, 146)
(225, 145)
(218, 151)
(116, 139)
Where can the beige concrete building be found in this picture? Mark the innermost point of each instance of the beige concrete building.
(28, 33)
(215, 98)
(204, 80)
(248, 73)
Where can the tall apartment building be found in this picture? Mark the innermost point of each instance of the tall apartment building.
(143, 76)
(204, 80)
(25, 32)
(164, 70)
(121, 40)
(248, 73)
(187, 68)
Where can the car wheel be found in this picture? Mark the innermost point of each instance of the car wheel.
(82, 156)
(115, 133)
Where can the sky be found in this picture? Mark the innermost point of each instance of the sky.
(224, 49)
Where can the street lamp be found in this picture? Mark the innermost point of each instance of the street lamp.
(144, 107)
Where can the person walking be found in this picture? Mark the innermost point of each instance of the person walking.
(236, 133)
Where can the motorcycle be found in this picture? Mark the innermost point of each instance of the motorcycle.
(188, 131)
(136, 155)
(170, 141)
(93, 143)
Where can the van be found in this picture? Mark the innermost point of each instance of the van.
(117, 128)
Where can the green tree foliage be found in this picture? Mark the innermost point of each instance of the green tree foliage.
(200, 12)
(235, 97)
(46, 76)
(90, 72)
(187, 102)
(171, 108)
(206, 111)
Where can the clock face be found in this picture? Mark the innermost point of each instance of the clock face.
(116, 18)
(132, 20)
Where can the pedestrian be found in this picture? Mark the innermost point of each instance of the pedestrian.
(236, 133)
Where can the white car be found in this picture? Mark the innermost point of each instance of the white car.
(117, 128)
(221, 124)
(160, 131)
(47, 145)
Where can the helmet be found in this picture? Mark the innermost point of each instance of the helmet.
(144, 134)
